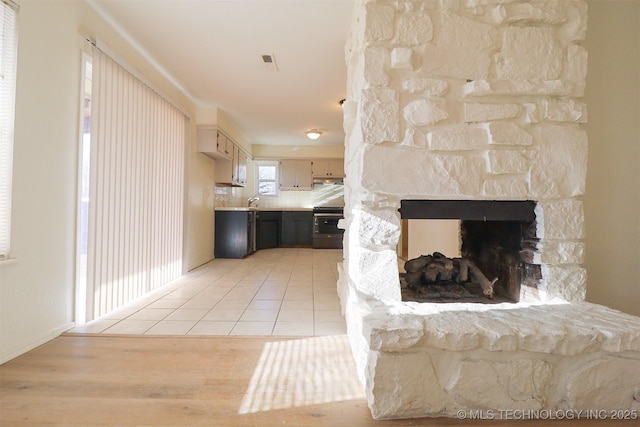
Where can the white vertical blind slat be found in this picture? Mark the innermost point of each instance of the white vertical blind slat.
(8, 62)
(135, 242)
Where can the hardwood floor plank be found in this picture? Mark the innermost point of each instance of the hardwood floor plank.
(184, 381)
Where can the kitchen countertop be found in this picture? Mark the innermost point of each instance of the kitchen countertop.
(241, 209)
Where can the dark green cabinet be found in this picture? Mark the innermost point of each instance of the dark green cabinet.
(269, 229)
(297, 228)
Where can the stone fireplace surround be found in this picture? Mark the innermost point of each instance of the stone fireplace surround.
(474, 100)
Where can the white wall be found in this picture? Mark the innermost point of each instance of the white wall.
(612, 200)
(37, 288)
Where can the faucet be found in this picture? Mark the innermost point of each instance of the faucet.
(253, 199)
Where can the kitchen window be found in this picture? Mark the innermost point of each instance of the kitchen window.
(8, 61)
(267, 177)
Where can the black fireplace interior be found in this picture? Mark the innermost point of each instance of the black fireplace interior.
(498, 237)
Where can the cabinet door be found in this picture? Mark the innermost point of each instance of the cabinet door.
(321, 168)
(296, 175)
(225, 145)
(211, 142)
(297, 229)
(231, 238)
(235, 165)
(242, 168)
(269, 229)
(304, 175)
(336, 168)
(287, 174)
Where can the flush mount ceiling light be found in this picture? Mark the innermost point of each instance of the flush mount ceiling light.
(313, 134)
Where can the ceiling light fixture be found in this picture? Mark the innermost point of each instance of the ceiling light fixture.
(313, 134)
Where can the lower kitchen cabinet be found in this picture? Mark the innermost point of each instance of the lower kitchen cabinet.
(297, 228)
(235, 234)
(269, 229)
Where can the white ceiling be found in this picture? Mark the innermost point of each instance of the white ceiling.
(213, 48)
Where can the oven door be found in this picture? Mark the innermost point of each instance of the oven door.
(326, 234)
(326, 223)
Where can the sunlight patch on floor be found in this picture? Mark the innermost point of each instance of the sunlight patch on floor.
(302, 372)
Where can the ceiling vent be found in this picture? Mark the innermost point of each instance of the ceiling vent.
(269, 62)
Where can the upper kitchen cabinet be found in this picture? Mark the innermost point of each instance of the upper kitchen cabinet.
(214, 143)
(231, 160)
(296, 175)
(329, 168)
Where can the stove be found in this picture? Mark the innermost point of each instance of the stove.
(326, 234)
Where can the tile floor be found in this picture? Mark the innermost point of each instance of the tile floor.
(282, 291)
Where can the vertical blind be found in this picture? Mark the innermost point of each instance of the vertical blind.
(136, 188)
(8, 60)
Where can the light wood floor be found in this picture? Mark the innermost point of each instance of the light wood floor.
(98, 380)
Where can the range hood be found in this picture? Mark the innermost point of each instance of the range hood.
(329, 180)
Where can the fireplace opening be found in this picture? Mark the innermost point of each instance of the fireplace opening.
(493, 260)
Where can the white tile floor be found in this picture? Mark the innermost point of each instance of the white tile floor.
(279, 291)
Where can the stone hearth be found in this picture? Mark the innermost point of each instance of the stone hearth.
(475, 100)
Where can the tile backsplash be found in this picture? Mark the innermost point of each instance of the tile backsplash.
(322, 194)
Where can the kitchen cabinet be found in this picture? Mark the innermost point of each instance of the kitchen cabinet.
(329, 168)
(296, 175)
(214, 143)
(297, 228)
(231, 160)
(235, 233)
(269, 229)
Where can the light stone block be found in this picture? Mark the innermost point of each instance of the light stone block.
(560, 219)
(506, 188)
(566, 282)
(464, 48)
(378, 22)
(401, 171)
(561, 167)
(565, 110)
(414, 138)
(376, 273)
(414, 29)
(555, 252)
(526, 13)
(378, 227)
(611, 382)
(425, 112)
(510, 161)
(576, 69)
(458, 138)
(425, 86)
(477, 112)
(396, 389)
(402, 59)
(575, 26)
(511, 87)
(529, 53)
(380, 115)
(515, 384)
(507, 133)
(375, 64)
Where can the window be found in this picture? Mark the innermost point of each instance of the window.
(267, 173)
(8, 60)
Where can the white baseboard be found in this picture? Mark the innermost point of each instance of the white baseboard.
(18, 350)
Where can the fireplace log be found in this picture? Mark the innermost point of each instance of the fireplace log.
(417, 264)
(439, 270)
(480, 279)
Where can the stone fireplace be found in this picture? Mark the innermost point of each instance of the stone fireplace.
(475, 101)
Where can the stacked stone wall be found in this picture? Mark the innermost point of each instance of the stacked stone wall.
(468, 100)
